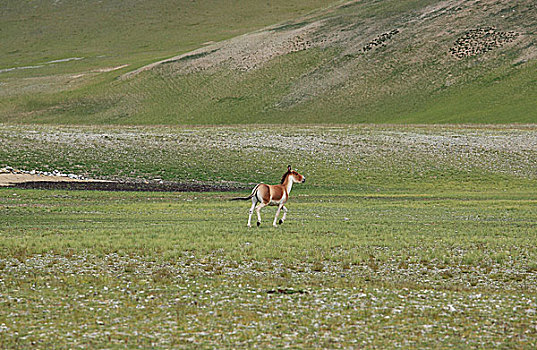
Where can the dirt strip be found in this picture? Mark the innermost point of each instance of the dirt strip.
(11, 179)
(65, 183)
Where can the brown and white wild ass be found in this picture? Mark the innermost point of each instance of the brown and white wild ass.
(263, 195)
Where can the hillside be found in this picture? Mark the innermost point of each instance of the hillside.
(382, 61)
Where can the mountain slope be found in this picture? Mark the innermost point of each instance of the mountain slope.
(412, 61)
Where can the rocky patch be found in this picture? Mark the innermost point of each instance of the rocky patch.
(54, 173)
(380, 41)
(478, 41)
(271, 49)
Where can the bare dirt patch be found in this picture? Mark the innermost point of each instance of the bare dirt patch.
(17, 179)
(13, 179)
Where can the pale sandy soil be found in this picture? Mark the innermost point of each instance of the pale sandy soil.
(10, 179)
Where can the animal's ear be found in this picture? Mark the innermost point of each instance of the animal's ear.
(288, 168)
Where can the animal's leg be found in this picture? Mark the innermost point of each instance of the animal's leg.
(277, 214)
(284, 214)
(254, 202)
(258, 210)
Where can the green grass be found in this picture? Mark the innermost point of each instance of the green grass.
(401, 236)
(182, 269)
(367, 158)
(135, 32)
(502, 96)
(412, 79)
(107, 35)
(37, 222)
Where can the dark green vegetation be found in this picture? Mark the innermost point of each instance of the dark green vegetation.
(352, 62)
(402, 236)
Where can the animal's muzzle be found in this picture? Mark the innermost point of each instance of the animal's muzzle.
(303, 179)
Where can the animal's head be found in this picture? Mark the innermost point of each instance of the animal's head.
(293, 175)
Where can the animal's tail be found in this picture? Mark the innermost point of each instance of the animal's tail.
(241, 198)
(254, 191)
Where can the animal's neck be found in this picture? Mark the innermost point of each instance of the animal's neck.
(288, 184)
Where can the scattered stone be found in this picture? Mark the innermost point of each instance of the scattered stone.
(481, 40)
(255, 59)
(55, 173)
(380, 40)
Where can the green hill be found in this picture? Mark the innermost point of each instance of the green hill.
(382, 61)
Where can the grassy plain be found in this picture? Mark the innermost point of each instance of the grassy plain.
(391, 242)
(403, 236)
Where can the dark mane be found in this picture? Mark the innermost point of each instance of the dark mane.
(284, 176)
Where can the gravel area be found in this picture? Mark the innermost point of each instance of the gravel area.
(182, 154)
(208, 301)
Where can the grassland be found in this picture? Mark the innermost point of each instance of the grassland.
(401, 237)
(118, 32)
(101, 269)
(73, 51)
(296, 63)
(414, 236)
